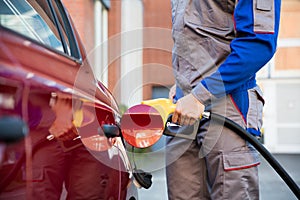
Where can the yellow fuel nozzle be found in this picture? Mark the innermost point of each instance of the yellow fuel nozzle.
(164, 106)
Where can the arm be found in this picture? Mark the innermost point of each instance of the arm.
(256, 26)
(63, 127)
(257, 32)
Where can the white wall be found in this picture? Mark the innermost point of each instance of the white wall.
(281, 115)
(131, 52)
(282, 109)
(100, 53)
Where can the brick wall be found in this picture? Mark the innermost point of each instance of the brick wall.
(114, 51)
(157, 62)
(82, 13)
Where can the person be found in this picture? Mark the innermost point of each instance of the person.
(218, 48)
(60, 167)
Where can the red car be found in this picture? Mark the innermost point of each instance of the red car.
(48, 87)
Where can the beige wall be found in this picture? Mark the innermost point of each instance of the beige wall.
(287, 58)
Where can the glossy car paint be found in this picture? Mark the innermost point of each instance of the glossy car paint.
(32, 74)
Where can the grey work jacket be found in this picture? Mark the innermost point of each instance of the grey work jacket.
(202, 32)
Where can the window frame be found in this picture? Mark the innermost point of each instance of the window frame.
(74, 53)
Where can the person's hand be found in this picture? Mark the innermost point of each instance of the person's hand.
(188, 110)
(63, 128)
(172, 92)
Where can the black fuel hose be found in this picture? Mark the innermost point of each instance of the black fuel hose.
(260, 148)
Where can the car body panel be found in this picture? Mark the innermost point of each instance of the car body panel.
(32, 77)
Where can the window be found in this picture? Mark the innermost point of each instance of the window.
(32, 19)
(160, 92)
(66, 30)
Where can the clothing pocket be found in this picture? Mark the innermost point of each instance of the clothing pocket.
(240, 160)
(37, 175)
(241, 175)
(255, 111)
(194, 59)
(264, 16)
(209, 14)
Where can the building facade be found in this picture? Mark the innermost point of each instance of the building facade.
(130, 42)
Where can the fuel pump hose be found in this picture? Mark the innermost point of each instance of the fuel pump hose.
(260, 148)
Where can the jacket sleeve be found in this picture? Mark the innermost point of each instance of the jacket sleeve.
(256, 25)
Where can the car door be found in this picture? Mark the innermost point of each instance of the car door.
(42, 61)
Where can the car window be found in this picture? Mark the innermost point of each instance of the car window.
(65, 26)
(32, 18)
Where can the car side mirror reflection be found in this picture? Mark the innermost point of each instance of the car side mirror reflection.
(111, 131)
